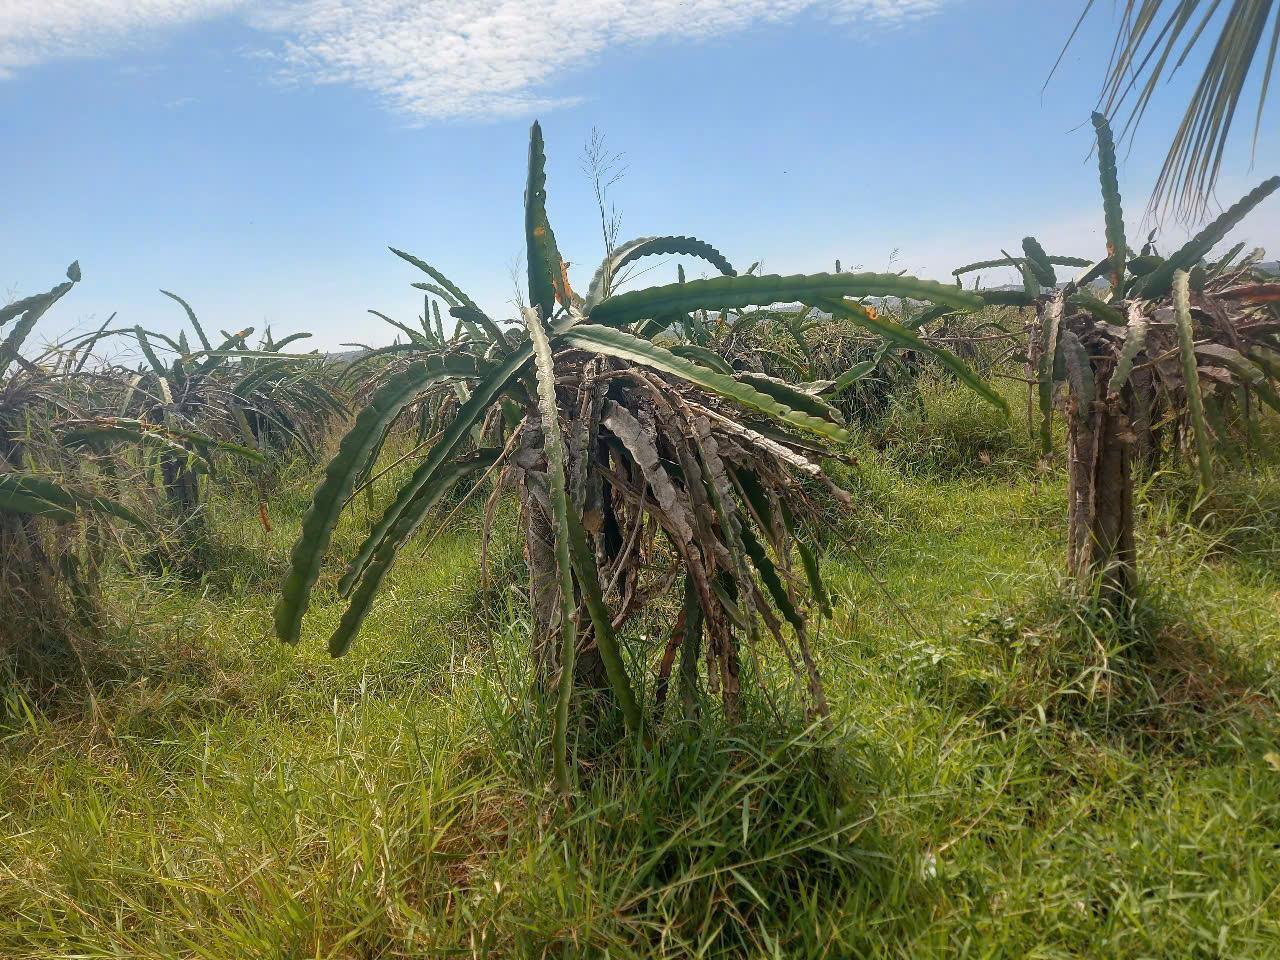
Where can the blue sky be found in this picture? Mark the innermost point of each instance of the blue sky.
(259, 158)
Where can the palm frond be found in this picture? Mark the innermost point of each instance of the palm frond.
(1155, 40)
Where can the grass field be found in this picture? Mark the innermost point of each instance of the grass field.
(1002, 777)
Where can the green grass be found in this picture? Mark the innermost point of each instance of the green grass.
(1007, 773)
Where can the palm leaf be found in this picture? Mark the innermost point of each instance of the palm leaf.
(1155, 40)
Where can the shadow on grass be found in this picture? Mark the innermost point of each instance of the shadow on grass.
(1152, 677)
(743, 840)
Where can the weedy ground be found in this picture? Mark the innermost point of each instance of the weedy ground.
(1008, 773)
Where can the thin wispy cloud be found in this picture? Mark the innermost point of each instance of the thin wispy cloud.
(36, 31)
(428, 58)
(445, 58)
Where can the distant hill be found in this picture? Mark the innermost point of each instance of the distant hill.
(346, 356)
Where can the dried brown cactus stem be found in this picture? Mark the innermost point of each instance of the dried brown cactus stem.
(543, 584)
(1100, 548)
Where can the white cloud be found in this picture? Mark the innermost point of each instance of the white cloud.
(35, 31)
(431, 58)
(441, 58)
